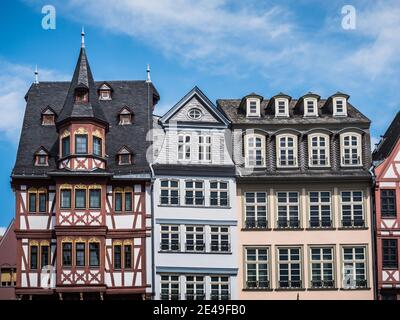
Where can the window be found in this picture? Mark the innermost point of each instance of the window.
(310, 108)
(97, 146)
(255, 151)
(288, 210)
(170, 235)
(67, 254)
(105, 94)
(169, 192)
(32, 202)
(184, 147)
(219, 193)
(287, 151)
(124, 159)
(37, 200)
(123, 199)
(81, 95)
(125, 116)
(354, 267)
(320, 209)
(170, 287)
(220, 239)
(339, 107)
(81, 144)
(351, 149)
(41, 160)
(123, 254)
(220, 288)
(94, 254)
(194, 114)
(352, 209)
(256, 264)
(117, 255)
(282, 108)
(34, 256)
(255, 210)
(319, 150)
(195, 286)
(322, 263)
(128, 256)
(65, 202)
(118, 201)
(195, 239)
(289, 268)
(80, 254)
(205, 148)
(95, 198)
(65, 145)
(194, 193)
(253, 108)
(388, 203)
(44, 255)
(389, 254)
(8, 277)
(48, 119)
(80, 198)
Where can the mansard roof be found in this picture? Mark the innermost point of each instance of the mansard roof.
(388, 140)
(34, 134)
(82, 78)
(202, 98)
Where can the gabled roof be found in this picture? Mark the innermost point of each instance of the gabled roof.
(388, 140)
(8, 247)
(126, 110)
(105, 86)
(42, 151)
(82, 78)
(195, 92)
(125, 150)
(48, 111)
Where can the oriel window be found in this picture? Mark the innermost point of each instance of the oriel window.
(97, 146)
(81, 144)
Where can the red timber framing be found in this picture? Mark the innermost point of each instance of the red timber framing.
(106, 226)
(388, 226)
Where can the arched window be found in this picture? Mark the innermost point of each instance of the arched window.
(350, 149)
(254, 150)
(286, 150)
(318, 146)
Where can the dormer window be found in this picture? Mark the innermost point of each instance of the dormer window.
(48, 117)
(81, 95)
(339, 107)
(253, 108)
(310, 107)
(41, 157)
(125, 116)
(124, 156)
(282, 107)
(105, 92)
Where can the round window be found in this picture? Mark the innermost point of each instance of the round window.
(195, 114)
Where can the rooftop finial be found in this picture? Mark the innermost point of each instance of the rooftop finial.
(36, 75)
(83, 37)
(148, 73)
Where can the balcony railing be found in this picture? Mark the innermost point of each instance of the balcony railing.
(170, 296)
(351, 162)
(320, 223)
(195, 296)
(170, 246)
(289, 284)
(260, 223)
(221, 296)
(257, 284)
(288, 224)
(195, 247)
(353, 223)
(288, 162)
(322, 283)
(220, 247)
(318, 161)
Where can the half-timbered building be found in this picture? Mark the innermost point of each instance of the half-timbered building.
(195, 226)
(81, 183)
(386, 159)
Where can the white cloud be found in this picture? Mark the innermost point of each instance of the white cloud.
(2, 230)
(15, 80)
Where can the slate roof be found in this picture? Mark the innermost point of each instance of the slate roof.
(125, 93)
(388, 140)
(231, 109)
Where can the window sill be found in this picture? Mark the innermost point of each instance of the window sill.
(288, 229)
(320, 228)
(353, 228)
(287, 167)
(355, 289)
(191, 206)
(290, 289)
(257, 289)
(319, 167)
(322, 289)
(351, 165)
(191, 252)
(255, 229)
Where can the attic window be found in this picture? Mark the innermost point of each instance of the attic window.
(124, 156)
(48, 117)
(81, 95)
(41, 157)
(282, 108)
(125, 117)
(339, 107)
(105, 92)
(310, 107)
(195, 114)
(253, 108)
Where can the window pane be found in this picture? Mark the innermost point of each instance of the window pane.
(66, 147)
(81, 144)
(42, 202)
(118, 201)
(128, 256)
(80, 199)
(66, 199)
(95, 198)
(94, 254)
(128, 201)
(44, 255)
(97, 146)
(67, 254)
(80, 254)
(117, 257)
(34, 257)
(32, 202)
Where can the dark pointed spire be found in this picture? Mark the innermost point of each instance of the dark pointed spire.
(82, 82)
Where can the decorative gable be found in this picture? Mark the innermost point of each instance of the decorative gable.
(48, 117)
(105, 91)
(41, 157)
(125, 116)
(125, 156)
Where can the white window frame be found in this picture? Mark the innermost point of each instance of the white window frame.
(258, 209)
(197, 285)
(350, 135)
(319, 204)
(169, 188)
(290, 262)
(184, 147)
(172, 229)
(294, 148)
(314, 112)
(221, 282)
(353, 269)
(318, 149)
(321, 262)
(169, 283)
(257, 264)
(352, 204)
(287, 204)
(194, 189)
(249, 112)
(254, 150)
(194, 110)
(343, 112)
(286, 105)
(205, 148)
(197, 236)
(221, 243)
(219, 190)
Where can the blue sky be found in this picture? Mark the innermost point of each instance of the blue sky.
(226, 47)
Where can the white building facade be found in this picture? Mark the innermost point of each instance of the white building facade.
(194, 205)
